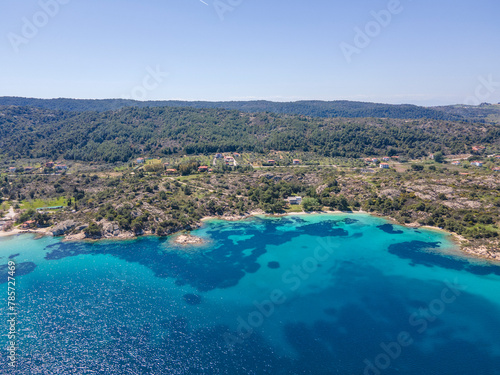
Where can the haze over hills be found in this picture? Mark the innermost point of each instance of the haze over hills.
(325, 109)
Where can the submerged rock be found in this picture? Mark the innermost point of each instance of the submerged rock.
(273, 265)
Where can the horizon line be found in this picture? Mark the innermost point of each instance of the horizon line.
(251, 100)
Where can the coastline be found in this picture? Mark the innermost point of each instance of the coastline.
(16, 231)
(463, 244)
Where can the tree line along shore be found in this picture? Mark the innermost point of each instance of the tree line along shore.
(134, 200)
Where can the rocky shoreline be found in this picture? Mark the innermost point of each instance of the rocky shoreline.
(73, 231)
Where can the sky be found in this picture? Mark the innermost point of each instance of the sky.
(389, 51)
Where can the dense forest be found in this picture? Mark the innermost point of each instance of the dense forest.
(123, 134)
(306, 108)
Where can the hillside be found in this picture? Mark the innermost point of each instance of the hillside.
(485, 112)
(130, 132)
(307, 108)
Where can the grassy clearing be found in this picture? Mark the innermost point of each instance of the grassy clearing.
(295, 208)
(38, 203)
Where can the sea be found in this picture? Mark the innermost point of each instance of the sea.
(301, 294)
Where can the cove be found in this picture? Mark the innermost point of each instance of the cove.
(304, 294)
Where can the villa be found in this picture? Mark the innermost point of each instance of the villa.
(384, 166)
(294, 200)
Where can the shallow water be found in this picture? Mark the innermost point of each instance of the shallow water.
(315, 294)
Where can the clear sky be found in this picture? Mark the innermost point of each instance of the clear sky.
(426, 52)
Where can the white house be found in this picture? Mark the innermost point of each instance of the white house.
(294, 200)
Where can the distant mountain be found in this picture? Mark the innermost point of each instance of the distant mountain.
(323, 109)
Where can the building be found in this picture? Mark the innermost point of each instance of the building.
(229, 160)
(236, 155)
(374, 160)
(294, 200)
(51, 208)
(171, 171)
(386, 158)
(496, 169)
(140, 160)
(384, 166)
(28, 224)
(477, 163)
(431, 156)
(49, 164)
(203, 168)
(296, 162)
(455, 163)
(218, 156)
(478, 148)
(12, 169)
(61, 167)
(271, 162)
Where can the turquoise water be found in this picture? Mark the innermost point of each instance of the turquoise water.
(316, 294)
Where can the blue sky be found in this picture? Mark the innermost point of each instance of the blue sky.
(427, 53)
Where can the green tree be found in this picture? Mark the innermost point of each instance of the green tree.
(311, 204)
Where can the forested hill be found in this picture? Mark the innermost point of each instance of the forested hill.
(482, 113)
(306, 108)
(121, 135)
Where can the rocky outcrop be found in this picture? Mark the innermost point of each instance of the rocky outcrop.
(187, 239)
(63, 228)
(112, 230)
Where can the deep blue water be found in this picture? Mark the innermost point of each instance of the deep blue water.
(318, 294)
